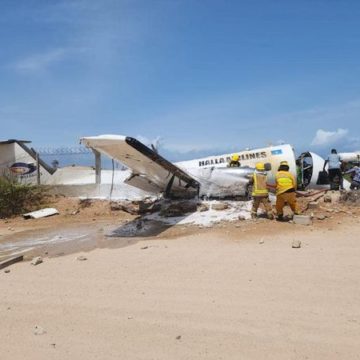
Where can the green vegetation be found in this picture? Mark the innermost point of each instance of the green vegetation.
(18, 198)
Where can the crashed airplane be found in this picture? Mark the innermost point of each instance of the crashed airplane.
(210, 176)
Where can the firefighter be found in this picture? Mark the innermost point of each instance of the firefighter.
(260, 192)
(285, 190)
(234, 162)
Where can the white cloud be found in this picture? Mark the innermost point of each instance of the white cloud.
(324, 137)
(40, 62)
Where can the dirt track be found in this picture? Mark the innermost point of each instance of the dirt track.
(235, 291)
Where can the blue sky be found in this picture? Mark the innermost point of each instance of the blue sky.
(203, 76)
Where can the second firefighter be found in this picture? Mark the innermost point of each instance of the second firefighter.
(260, 192)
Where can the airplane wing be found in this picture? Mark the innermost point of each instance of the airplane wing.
(150, 171)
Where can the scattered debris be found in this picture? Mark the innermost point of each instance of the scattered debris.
(6, 271)
(302, 219)
(138, 207)
(332, 196)
(38, 330)
(75, 212)
(36, 261)
(220, 206)
(203, 207)
(296, 244)
(138, 227)
(313, 205)
(326, 209)
(178, 208)
(178, 337)
(41, 213)
(10, 261)
(351, 197)
(261, 241)
(321, 217)
(242, 217)
(84, 203)
(144, 248)
(81, 258)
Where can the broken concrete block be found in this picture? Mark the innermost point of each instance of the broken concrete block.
(36, 261)
(313, 205)
(296, 244)
(302, 219)
(219, 206)
(321, 217)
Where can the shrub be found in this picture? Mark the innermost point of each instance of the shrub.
(18, 198)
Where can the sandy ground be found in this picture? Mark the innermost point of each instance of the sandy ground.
(234, 291)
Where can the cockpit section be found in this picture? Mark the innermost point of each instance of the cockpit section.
(310, 171)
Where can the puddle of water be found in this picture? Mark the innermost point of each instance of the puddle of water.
(139, 227)
(80, 238)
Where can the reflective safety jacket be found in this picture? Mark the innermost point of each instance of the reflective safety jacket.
(285, 182)
(259, 184)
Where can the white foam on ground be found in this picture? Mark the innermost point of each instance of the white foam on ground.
(210, 217)
(28, 244)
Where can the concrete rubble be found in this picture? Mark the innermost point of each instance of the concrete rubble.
(296, 244)
(38, 330)
(220, 206)
(36, 260)
(350, 197)
(332, 197)
(202, 207)
(313, 205)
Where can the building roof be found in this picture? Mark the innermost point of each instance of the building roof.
(11, 141)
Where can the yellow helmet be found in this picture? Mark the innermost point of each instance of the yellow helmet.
(235, 157)
(260, 166)
(284, 163)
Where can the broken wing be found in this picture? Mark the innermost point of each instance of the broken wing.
(150, 171)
